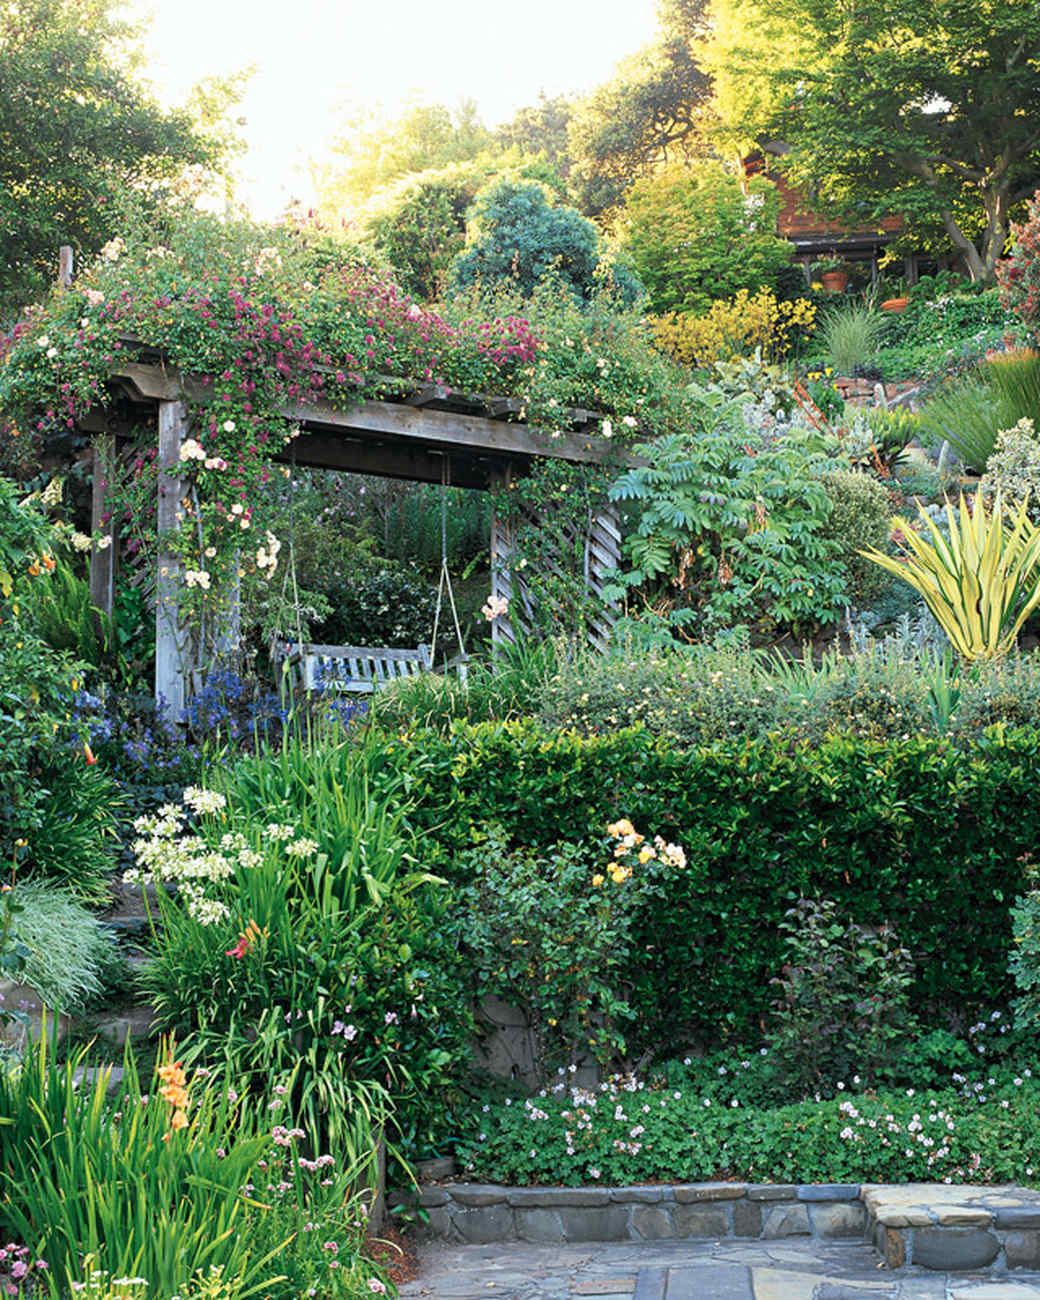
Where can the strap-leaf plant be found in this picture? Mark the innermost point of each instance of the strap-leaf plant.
(982, 582)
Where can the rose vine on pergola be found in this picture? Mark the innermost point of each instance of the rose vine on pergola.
(233, 362)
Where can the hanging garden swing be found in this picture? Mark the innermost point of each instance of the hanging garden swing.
(360, 670)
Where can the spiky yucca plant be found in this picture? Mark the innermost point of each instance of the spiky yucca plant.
(983, 582)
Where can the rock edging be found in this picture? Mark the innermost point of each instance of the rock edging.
(932, 1226)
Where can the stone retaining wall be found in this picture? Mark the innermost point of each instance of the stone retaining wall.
(480, 1213)
(933, 1226)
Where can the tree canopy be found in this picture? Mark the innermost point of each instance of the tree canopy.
(929, 109)
(651, 112)
(79, 129)
(698, 233)
(373, 153)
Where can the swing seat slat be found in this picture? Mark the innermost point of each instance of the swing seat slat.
(355, 669)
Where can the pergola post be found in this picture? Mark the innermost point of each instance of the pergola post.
(106, 543)
(170, 633)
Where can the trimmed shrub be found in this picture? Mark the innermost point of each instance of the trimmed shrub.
(925, 836)
(860, 518)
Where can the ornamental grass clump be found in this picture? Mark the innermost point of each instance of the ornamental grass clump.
(67, 950)
(982, 582)
(850, 336)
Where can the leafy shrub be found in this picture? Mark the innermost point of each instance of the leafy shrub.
(1013, 469)
(520, 237)
(697, 234)
(420, 225)
(947, 327)
(702, 694)
(1025, 958)
(1003, 692)
(741, 326)
(730, 527)
(391, 607)
(860, 518)
(928, 837)
(825, 395)
(1019, 274)
(564, 1135)
(552, 934)
(67, 949)
(849, 336)
(844, 998)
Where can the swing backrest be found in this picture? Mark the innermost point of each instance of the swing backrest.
(355, 669)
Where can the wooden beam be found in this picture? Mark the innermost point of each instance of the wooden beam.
(432, 428)
(102, 557)
(451, 429)
(390, 460)
(170, 634)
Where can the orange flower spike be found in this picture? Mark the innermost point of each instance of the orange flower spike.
(88, 754)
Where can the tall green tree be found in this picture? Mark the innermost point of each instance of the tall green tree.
(697, 232)
(540, 130)
(651, 112)
(929, 109)
(419, 224)
(79, 129)
(372, 152)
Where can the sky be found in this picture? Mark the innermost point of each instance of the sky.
(313, 58)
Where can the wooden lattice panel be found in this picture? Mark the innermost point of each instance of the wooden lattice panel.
(599, 542)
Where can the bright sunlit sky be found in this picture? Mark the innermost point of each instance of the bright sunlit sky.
(314, 57)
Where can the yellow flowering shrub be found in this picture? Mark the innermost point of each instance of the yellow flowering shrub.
(736, 327)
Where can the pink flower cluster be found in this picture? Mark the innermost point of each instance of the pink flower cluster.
(17, 1267)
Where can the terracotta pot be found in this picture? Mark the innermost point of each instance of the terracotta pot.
(894, 304)
(835, 281)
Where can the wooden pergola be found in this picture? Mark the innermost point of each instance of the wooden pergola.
(482, 442)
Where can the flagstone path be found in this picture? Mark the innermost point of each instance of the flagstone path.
(699, 1270)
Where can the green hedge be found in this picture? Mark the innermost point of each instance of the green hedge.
(930, 837)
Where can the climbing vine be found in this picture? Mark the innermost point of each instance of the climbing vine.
(262, 322)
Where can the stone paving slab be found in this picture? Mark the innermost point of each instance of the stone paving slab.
(797, 1269)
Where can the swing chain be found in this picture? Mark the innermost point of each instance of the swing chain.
(444, 584)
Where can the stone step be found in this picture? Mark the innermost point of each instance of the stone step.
(951, 1228)
(133, 1022)
(127, 928)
